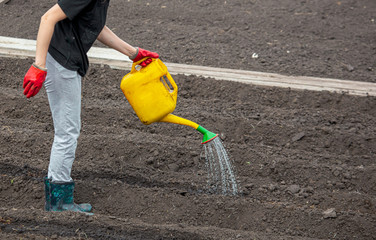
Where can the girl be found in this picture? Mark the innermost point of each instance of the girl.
(66, 33)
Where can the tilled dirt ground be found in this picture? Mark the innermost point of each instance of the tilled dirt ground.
(305, 160)
(297, 37)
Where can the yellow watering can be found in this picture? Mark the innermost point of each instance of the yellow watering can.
(152, 93)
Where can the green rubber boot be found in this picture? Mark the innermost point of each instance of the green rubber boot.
(59, 197)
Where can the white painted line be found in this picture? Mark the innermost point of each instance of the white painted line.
(15, 47)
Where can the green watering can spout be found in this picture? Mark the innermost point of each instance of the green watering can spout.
(208, 136)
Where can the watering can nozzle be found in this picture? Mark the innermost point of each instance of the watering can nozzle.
(208, 136)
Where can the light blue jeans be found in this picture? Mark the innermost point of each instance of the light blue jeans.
(63, 89)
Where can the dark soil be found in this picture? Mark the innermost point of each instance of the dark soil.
(305, 160)
(317, 38)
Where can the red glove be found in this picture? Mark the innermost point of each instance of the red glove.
(142, 53)
(33, 81)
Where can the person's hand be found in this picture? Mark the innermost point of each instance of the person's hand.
(142, 53)
(33, 81)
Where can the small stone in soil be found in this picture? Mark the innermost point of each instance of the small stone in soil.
(298, 137)
(293, 189)
(330, 213)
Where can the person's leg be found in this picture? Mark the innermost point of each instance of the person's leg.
(64, 95)
(63, 89)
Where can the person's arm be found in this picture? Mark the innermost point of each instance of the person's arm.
(110, 39)
(36, 75)
(46, 29)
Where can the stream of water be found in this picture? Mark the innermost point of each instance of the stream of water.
(221, 174)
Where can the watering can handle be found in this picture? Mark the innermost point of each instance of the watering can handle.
(138, 63)
(173, 84)
(171, 80)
